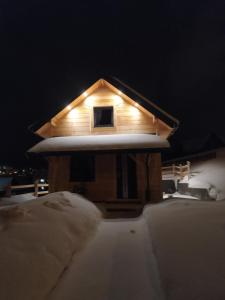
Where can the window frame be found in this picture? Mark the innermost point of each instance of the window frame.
(112, 125)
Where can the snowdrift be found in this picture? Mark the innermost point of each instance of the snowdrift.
(210, 175)
(37, 241)
(189, 244)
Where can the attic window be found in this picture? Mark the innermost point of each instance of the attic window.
(103, 116)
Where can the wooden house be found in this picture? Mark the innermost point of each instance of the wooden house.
(106, 144)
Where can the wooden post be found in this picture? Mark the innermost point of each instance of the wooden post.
(189, 168)
(142, 176)
(180, 171)
(155, 178)
(36, 188)
(173, 170)
(156, 126)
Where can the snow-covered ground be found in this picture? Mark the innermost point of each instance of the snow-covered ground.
(174, 250)
(119, 264)
(189, 243)
(177, 195)
(38, 239)
(16, 199)
(210, 174)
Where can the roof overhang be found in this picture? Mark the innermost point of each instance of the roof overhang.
(100, 143)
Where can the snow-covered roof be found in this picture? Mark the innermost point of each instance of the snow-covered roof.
(100, 142)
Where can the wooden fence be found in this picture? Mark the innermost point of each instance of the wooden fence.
(177, 170)
(36, 186)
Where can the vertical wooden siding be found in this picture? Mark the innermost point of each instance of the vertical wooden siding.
(104, 188)
(141, 176)
(155, 177)
(58, 173)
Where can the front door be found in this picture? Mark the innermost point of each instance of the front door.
(126, 177)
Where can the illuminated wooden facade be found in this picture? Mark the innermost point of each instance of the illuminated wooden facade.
(108, 108)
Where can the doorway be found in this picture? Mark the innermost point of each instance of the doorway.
(126, 177)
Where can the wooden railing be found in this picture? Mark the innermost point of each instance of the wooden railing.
(35, 187)
(177, 170)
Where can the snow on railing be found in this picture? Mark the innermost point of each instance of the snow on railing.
(177, 170)
(36, 186)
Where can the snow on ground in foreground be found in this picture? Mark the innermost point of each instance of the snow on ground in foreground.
(210, 174)
(177, 195)
(189, 242)
(118, 264)
(17, 199)
(174, 251)
(37, 241)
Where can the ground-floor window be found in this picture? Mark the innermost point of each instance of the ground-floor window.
(82, 167)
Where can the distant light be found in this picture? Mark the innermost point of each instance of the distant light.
(42, 188)
(85, 94)
(42, 180)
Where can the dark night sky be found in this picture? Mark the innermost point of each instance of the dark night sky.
(171, 51)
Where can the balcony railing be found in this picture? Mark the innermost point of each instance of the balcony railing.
(179, 171)
(37, 187)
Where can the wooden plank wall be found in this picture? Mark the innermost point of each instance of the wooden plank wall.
(141, 176)
(58, 173)
(102, 189)
(155, 177)
(127, 118)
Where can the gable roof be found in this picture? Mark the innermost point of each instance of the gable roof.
(118, 86)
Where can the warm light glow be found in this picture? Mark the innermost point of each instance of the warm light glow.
(118, 100)
(69, 107)
(135, 111)
(89, 101)
(73, 113)
(136, 104)
(120, 93)
(85, 94)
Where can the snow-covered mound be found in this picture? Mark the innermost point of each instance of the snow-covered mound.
(210, 174)
(189, 243)
(37, 241)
